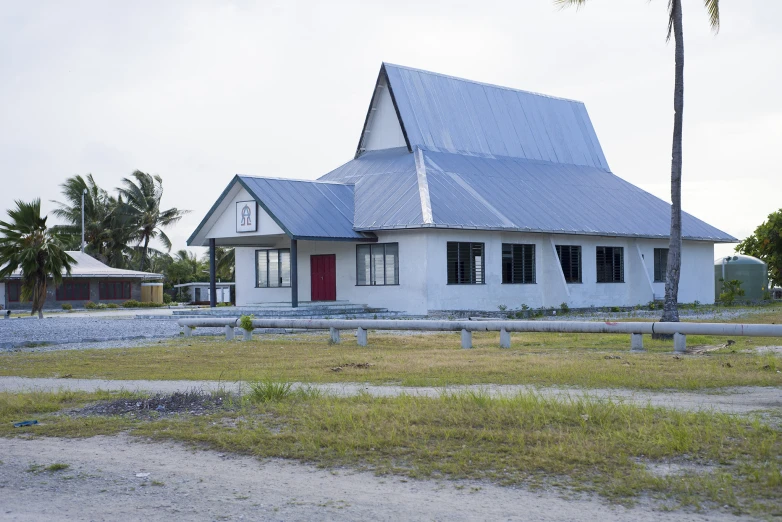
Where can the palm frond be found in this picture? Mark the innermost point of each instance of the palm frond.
(713, 9)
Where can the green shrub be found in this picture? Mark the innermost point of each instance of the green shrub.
(67, 306)
(730, 291)
(564, 308)
(167, 298)
(89, 305)
(223, 304)
(615, 309)
(132, 303)
(246, 323)
(101, 306)
(112, 305)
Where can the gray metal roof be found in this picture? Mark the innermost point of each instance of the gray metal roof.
(306, 209)
(447, 114)
(502, 193)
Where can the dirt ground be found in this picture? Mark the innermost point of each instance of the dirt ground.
(740, 400)
(121, 478)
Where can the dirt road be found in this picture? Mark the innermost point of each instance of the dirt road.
(121, 478)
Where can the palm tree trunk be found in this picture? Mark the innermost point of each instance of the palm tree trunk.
(670, 309)
(144, 252)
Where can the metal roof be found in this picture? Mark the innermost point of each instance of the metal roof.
(447, 114)
(502, 193)
(306, 209)
(87, 266)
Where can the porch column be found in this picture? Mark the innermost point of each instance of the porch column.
(212, 278)
(294, 275)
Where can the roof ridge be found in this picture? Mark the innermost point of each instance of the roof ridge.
(324, 182)
(485, 84)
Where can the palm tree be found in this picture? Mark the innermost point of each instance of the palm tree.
(98, 206)
(142, 207)
(27, 243)
(675, 28)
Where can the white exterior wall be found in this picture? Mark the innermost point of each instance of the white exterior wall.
(409, 295)
(423, 274)
(225, 226)
(383, 130)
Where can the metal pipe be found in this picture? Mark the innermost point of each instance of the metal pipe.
(748, 330)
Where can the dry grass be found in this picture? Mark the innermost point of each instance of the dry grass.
(412, 360)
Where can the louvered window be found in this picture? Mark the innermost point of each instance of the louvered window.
(660, 264)
(518, 264)
(14, 289)
(108, 290)
(273, 268)
(377, 265)
(610, 264)
(72, 290)
(465, 263)
(570, 259)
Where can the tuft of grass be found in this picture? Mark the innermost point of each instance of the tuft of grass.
(269, 391)
(57, 466)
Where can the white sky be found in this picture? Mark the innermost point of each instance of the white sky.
(200, 91)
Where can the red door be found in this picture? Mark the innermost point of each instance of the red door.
(323, 275)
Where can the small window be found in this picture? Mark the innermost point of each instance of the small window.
(465, 263)
(72, 290)
(660, 264)
(570, 260)
(610, 264)
(518, 264)
(111, 290)
(273, 268)
(377, 264)
(14, 291)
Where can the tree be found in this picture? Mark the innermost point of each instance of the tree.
(225, 261)
(675, 28)
(142, 209)
(27, 243)
(766, 244)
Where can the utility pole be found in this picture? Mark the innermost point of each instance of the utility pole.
(83, 193)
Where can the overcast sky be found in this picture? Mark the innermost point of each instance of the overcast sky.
(200, 91)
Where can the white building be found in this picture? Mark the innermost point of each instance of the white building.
(461, 196)
(201, 293)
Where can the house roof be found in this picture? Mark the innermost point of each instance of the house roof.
(442, 113)
(85, 265)
(303, 209)
(477, 156)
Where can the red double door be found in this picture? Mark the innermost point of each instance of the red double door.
(323, 276)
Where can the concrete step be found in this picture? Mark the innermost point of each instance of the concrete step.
(359, 315)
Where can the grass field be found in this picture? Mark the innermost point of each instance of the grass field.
(576, 445)
(415, 360)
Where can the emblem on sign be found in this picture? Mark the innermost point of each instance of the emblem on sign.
(246, 216)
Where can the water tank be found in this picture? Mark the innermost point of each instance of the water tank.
(751, 271)
(152, 292)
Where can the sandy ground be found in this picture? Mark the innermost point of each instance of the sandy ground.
(741, 400)
(119, 478)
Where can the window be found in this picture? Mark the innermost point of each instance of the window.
(570, 259)
(660, 264)
(71, 290)
(108, 290)
(14, 291)
(377, 264)
(273, 268)
(465, 263)
(610, 265)
(518, 264)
